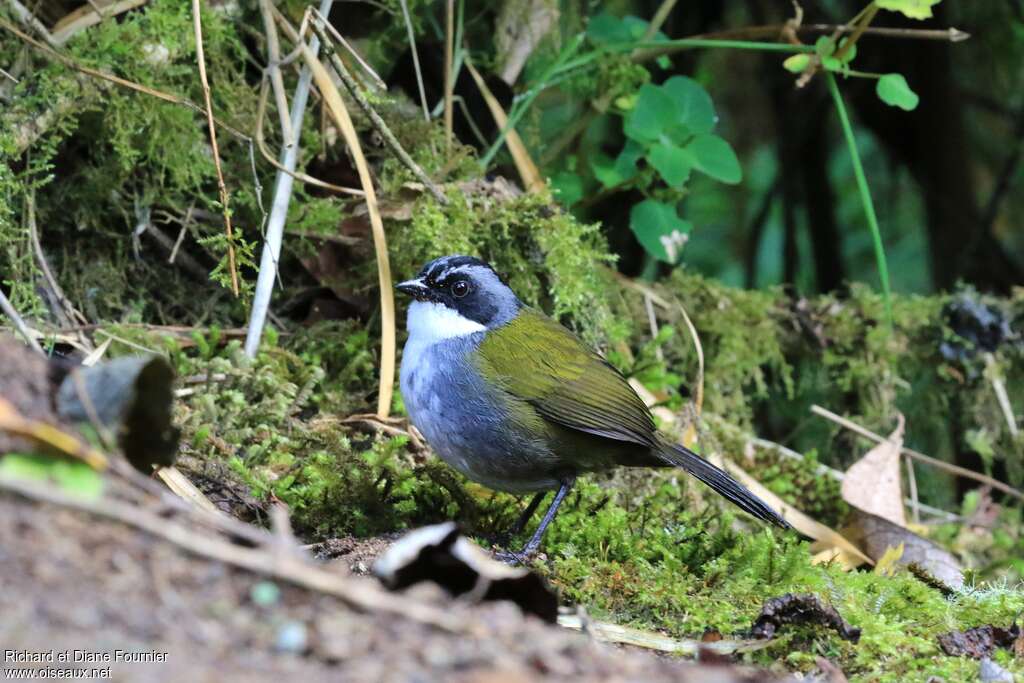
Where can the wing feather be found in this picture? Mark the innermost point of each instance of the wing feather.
(567, 383)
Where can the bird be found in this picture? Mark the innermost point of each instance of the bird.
(517, 402)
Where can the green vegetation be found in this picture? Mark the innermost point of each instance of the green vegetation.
(650, 175)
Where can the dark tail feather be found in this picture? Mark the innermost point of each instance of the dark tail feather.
(721, 482)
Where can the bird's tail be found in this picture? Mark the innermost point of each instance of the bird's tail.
(721, 482)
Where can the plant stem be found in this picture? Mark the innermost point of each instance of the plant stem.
(521, 109)
(865, 195)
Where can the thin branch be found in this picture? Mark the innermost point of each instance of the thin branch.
(664, 9)
(30, 20)
(274, 70)
(117, 80)
(198, 26)
(449, 72)
(378, 123)
(934, 462)
(279, 206)
(415, 60)
(65, 311)
(19, 324)
(83, 18)
(297, 175)
(336, 107)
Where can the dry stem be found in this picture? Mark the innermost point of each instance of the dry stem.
(198, 25)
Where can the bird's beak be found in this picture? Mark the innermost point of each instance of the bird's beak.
(414, 288)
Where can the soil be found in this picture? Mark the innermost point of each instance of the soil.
(72, 582)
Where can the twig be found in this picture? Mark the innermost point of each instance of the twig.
(65, 311)
(934, 462)
(336, 107)
(117, 80)
(357, 594)
(261, 109)
(26, 17)
(378, 123)
(83, 18)
(415, 60)
(19, 324)
(821, 469)
(279, 207)
(182, 259)
(664, 9)
(915, 506)
(198, 26)
(274, 70)
(999, 387)
(449, 72)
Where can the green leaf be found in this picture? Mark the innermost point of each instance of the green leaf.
(912, 9)
(659, 229)
(894, 91)
(672, 162)
(612, 173)
(849, 54)
(831, 63)
(605, 29)
(72, 476)
(653, 113)
(693, 104)
(796, 63)
(824, 46)
(713, 156)
(567, 187)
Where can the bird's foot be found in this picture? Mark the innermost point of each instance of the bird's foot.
(513, 558)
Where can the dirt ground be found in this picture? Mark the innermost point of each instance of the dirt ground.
(71, 581)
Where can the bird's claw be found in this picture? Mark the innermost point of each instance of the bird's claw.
(513, 558)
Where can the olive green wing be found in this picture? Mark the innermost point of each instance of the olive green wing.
(537, 360)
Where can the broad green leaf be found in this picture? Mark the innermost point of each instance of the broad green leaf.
(894, 91)
(654, 112)
(72, 476)
(608, 29)
(613, 172)
(671, 161)
(912, 9)
(796, 63)
(659, 229)
(713, 156)
(693, 104)
(567, 187)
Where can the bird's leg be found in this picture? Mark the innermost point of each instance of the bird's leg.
(526, 514)
(531, 547)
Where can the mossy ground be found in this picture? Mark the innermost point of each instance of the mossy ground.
(652, 549)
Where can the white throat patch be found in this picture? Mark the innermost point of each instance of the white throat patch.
(430, 322)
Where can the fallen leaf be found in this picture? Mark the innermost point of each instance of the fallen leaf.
(990, 672)
(872, 483)
(802, 608)
(877, 535)
(980, 641)
(886, 564)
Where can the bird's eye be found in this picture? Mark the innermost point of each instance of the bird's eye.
(460, 288)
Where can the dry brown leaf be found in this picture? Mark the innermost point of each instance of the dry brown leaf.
(872, 484)
(532, 180)
(877, 535)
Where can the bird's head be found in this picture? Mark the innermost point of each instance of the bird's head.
(458, 295)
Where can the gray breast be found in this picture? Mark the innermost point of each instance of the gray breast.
(466, 422)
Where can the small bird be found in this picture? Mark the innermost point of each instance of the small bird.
(515, 401)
